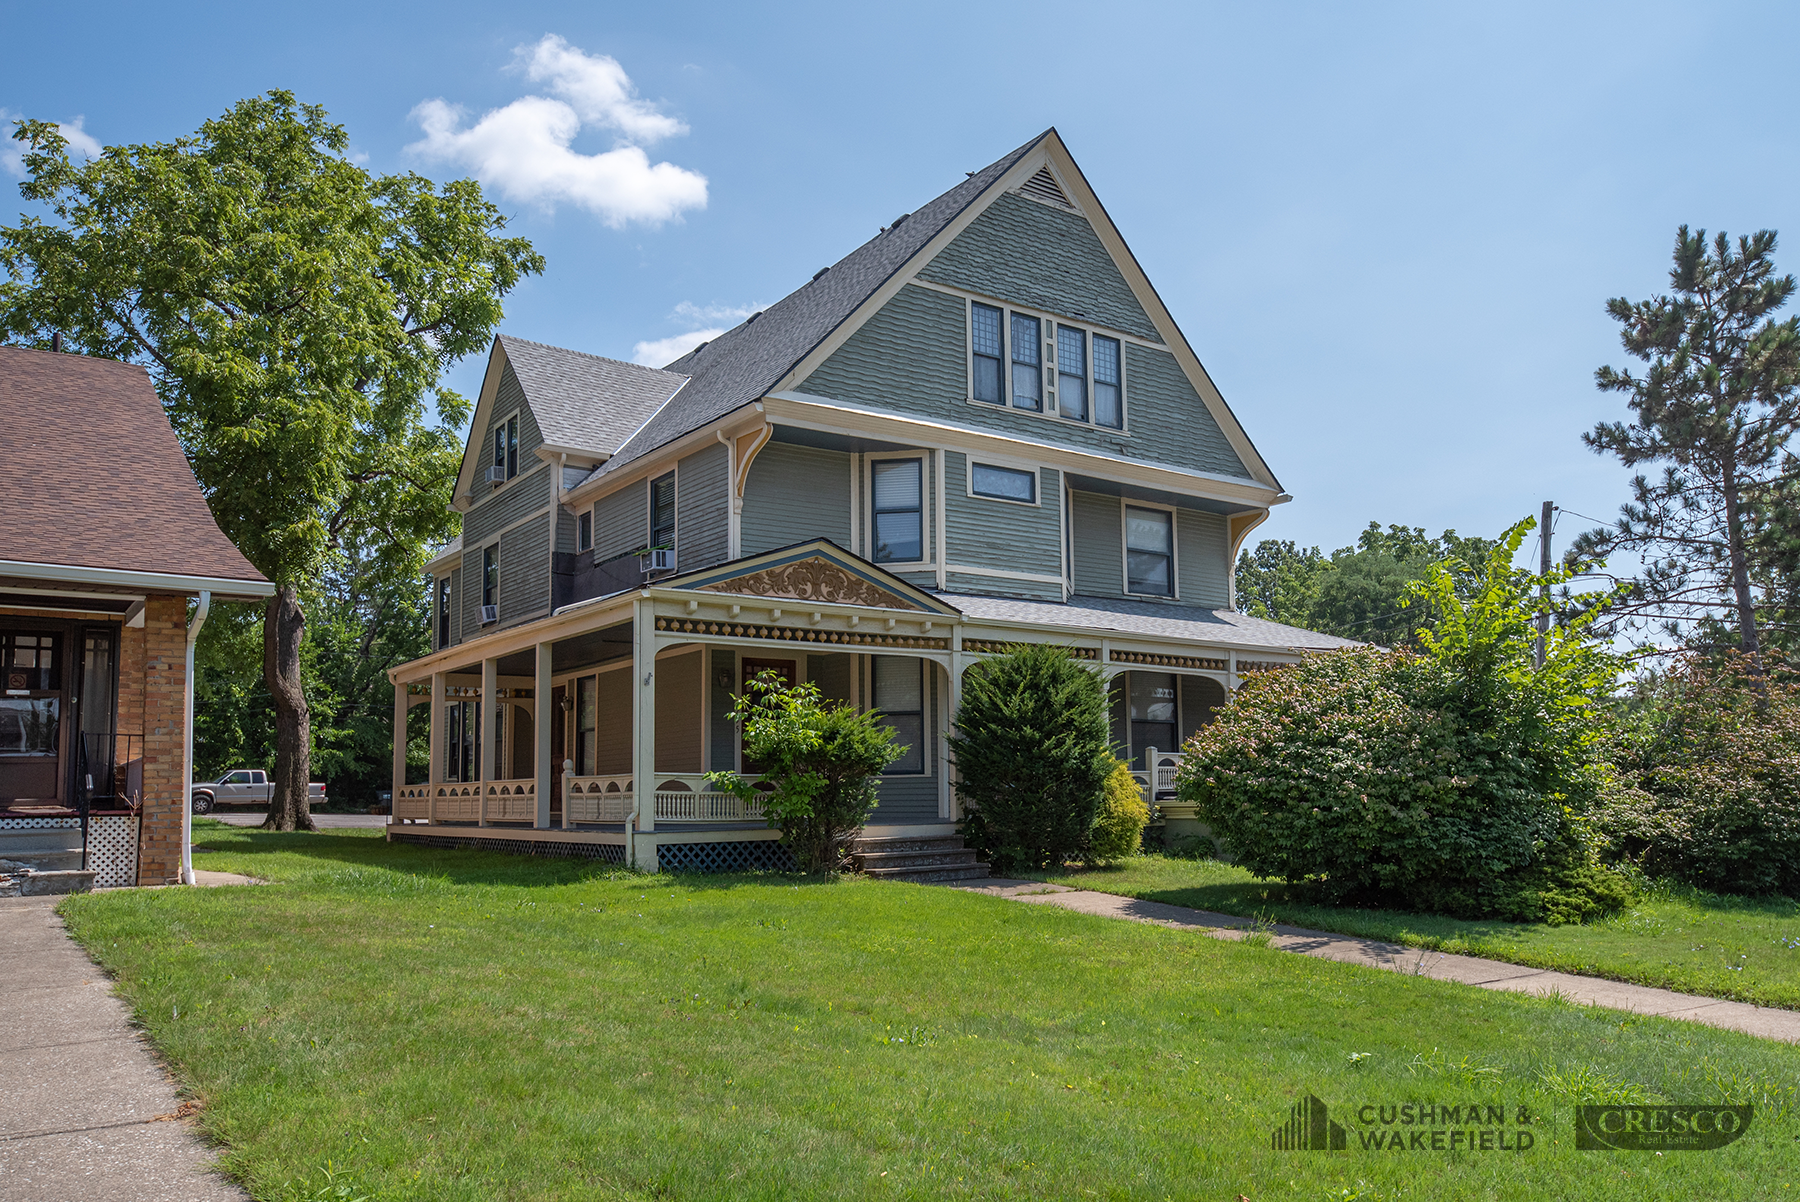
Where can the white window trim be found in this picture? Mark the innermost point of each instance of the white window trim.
(499, 427)
(1048, 404)
(1174, 593)
(927, 544)
(588, 514)
(674, 473)
(1036, 472)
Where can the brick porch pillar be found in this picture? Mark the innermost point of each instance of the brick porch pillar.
(164, 701)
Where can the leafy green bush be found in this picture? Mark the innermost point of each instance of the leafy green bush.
(1033, 749)
(1458, 781)
(1708, 790)
(1118, 830)
(821, 760)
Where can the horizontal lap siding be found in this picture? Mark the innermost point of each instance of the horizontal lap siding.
(525, 569)
(1002, 586)
(621, 521)
(457, 612)
(1099, 545)
(471, 606)
(565, 530)
(702, 509)
(796, 493)
(1201, 550)
(1043, 258)
(612, 738)
(984, 533)
(522, 496)
(912, 357)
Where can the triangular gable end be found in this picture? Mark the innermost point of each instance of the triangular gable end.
(484, 407)
(1049, 158)
(817, 571)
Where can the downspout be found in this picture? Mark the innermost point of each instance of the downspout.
(187, 793)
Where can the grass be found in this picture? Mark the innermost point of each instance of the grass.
(1744, 949)
(439, 1024)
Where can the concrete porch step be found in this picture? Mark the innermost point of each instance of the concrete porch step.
(922, 859)
(927, 876)
(913, 843)
(42, 861)
(21, 880)
(945, 858)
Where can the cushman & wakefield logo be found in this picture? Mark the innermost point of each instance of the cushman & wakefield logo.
(1658, 1128)
(1407, 1127)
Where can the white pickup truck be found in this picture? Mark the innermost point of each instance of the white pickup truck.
(244, 787)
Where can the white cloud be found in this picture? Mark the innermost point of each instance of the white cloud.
(12, 155)
(689, 312)
(661, 352)
(524, 149)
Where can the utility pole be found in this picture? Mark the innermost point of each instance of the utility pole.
(1543, 621)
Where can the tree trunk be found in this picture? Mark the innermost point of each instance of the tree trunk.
(284, 626)
(1740, 572)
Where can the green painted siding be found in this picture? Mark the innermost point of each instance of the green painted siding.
(703, 508)
(525, 569)
(795, 493)
(457, 612)
(1034, 255)
(678, 681)
(1162, 408)
(724, 731)
(565, 530)
(471, 606)
(621, 521)
(1000, 586)
(1200, 553)
(522, 496)
(984, 533)
(1099, 545)
(911, 357)
(833, 672)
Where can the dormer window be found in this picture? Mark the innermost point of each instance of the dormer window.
(506, 449)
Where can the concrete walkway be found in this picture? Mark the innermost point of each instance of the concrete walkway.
(325, 822)
(1468, 970)
(85, 1109)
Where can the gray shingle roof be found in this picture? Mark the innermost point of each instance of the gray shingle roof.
(587, 402)
(743, 363)
(1148, 618)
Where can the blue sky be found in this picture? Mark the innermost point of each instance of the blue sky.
(1388, 230)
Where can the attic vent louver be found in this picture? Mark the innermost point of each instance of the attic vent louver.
(1043, 186)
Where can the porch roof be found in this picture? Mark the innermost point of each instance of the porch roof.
(1148, 618)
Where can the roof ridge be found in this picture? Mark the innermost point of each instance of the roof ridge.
(569, 350)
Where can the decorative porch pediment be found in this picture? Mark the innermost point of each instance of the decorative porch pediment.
(816, 572)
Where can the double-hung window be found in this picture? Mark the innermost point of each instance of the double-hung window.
(1109, 398)
(1150, 551)
(985, 338)
(506, 446)
(1003, 483)
(584, 531)
(662, 512)
(1071, 373)
(587, 724)
(899, 693)
(490, 575)
(898, 512)
(1027, 363)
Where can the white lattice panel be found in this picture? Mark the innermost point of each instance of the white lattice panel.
(112, 849)
(40, 824)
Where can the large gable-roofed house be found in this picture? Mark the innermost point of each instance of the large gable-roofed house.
(980, 428)
(104, 539)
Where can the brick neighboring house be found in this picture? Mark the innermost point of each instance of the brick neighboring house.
(105, 539)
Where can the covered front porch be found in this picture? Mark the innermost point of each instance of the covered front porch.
(590, 732)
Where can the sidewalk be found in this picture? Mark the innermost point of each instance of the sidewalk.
(87, 1112)
(1468, 970)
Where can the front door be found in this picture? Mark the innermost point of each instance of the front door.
(751, 669)
(34, 735)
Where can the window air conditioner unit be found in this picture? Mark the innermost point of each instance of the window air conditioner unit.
(657, 561)
(490, 613)
(496, 475)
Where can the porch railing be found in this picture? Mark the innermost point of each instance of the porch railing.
(1157, 777)
(677, 797)
(595, 798)
(471, 801)
(510, 800)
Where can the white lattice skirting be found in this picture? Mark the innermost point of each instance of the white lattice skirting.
(40, 824)
(112, 849)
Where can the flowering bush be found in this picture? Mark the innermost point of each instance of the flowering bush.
(1458, 781)
(1709, 789)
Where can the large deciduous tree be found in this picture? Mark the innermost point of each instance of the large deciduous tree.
(296, 313)
(1715, 407)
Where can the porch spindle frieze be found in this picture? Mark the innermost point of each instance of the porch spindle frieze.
(705, 627)
(1151, 659)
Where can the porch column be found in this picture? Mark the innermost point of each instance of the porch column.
(545, 714)
(434, 773)
(643, 732)
(490, 712)
(401, 690)
(1231, 676)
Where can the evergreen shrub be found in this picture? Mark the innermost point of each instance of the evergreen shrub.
(1118, 830)
(1033, 748)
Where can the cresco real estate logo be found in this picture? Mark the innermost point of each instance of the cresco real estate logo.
(1406, 1127)
(1659, 1128)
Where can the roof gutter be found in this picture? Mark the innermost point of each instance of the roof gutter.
(168, 582)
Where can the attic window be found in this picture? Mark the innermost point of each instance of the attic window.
(1043, 186)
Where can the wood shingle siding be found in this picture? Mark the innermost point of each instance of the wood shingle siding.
(796, 493)
(984, 533)
(1200, 554)
(621, 521)
(1099, 545)
(1169, 422)
(1044, 258)
(703, 509)
(525, 569)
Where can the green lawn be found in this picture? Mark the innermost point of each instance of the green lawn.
(461, 1025)
(1745, 949)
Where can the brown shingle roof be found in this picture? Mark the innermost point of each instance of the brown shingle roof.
(91, 474)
